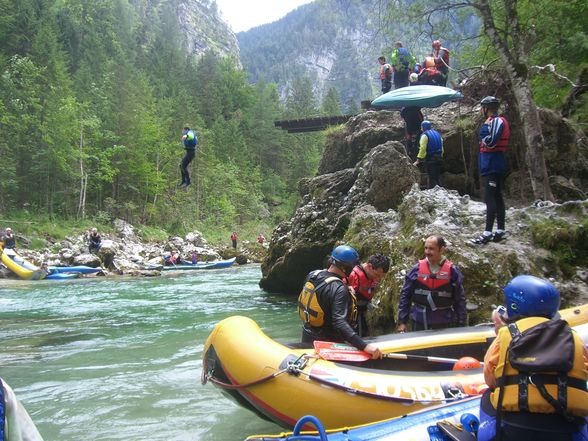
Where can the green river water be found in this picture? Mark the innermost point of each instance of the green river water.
(120, 359)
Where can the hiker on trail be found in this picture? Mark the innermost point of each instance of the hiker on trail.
(328, 308)
(536, 369)
(9, 240)
(385, 75)
(413, 117)
(432, 296)
(364, 279)
(431, 153)
(402, 62)
(494, 136)
(95, 241)
(441, 56)
(234, 240)
(190, 142)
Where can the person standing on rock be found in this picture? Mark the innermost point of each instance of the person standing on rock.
(413, 117)
(402, 62)
(190, 142)
(328, 308)
(494, 137)
(9, 240)
(234, 240)
(385, 75)
(95, 241)
(432, 296)
(431, 153)
(364, 279)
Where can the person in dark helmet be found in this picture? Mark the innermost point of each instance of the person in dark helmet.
(328, 308)
(536, 369)
(494, 137)
(431, 153)
(190, 141)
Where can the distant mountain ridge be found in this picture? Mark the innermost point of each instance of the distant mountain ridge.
(335, 42)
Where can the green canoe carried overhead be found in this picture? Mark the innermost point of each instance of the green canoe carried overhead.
(417, 96)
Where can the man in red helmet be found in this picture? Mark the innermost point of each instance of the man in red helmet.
(441, 56)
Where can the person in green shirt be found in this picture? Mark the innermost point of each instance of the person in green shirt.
(402, 63)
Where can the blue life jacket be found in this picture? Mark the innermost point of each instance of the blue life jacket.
(435, 144)
(190, 143)
(2, 412)
(403, 57)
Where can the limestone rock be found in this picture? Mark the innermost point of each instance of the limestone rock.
(87, 260)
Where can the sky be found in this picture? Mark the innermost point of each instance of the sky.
(242, 15)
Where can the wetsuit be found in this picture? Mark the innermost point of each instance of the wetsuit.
(95, 242)
(9, 242)
(413, 117)
(494, 137)
(337, 305)
(190, 143)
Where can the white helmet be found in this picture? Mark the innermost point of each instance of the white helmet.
(413, 77)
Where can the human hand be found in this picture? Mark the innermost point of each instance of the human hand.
(401, 328)
(497, 319)
(416, 163)
(373, 351)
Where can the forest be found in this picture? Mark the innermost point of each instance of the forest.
(93, 98)
(94, 95)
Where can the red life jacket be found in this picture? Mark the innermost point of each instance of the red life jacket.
(363, 285)
(385, 72)
(433, 290)
(502, 144)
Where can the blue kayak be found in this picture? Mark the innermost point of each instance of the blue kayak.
(62, 276)
(200, 265)
(417, 96)
(81, 269)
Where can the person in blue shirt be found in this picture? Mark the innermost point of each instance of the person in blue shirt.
(402, 62)
(431, 153)
(494, 137)
(190, 142)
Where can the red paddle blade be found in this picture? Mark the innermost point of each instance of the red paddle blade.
(339, 352)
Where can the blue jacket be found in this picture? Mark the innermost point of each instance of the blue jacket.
(191, 140)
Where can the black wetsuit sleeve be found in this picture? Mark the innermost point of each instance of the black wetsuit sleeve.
(341, 305)
(459, 299)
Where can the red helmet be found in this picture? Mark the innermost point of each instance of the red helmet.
(465, 363)
(437, 44)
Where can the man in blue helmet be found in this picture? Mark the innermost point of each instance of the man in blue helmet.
(494, 137)
(190, 142)
(328, 308)
(431, 153)
(536, 369)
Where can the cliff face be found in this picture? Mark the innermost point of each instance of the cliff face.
(369, 195)
(203, 30)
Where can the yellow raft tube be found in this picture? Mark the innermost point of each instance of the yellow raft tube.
(19, 266)
(282, 383)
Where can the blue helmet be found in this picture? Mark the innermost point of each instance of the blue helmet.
(345, 254)
(530, 296)
(426, 125)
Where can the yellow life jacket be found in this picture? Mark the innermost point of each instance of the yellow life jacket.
(514, 392)
(309, 308)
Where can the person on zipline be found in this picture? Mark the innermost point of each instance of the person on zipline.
(190, 142)
(328, 308)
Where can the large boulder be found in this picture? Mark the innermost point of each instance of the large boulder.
(87, 259)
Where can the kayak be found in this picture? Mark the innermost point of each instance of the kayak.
(284, 383)
(81, 269)
(21, 267)
(62, 276)
(200, 265)
(416, 96)
(413, 426)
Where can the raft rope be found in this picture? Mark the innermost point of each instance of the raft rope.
(293, 367)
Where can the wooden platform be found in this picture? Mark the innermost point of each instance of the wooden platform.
(311, 124)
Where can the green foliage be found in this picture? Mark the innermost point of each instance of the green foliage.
(93, 97)
(565, 240)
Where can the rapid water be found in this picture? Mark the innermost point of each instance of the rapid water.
(120, 359)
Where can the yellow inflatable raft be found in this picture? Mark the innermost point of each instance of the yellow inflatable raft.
(283, 383)
(19, 266)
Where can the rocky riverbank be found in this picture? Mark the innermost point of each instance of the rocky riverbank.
(125, 253)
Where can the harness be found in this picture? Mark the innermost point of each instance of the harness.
(433, 290)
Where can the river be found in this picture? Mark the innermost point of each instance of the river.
(120, 359)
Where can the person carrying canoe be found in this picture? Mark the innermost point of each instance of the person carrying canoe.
(413, 117)
(328, 308)
(536, 369)
(95, 241)
(431, 153)
(433, 295)
(190, 142)
(364, 279)
(9, 240)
